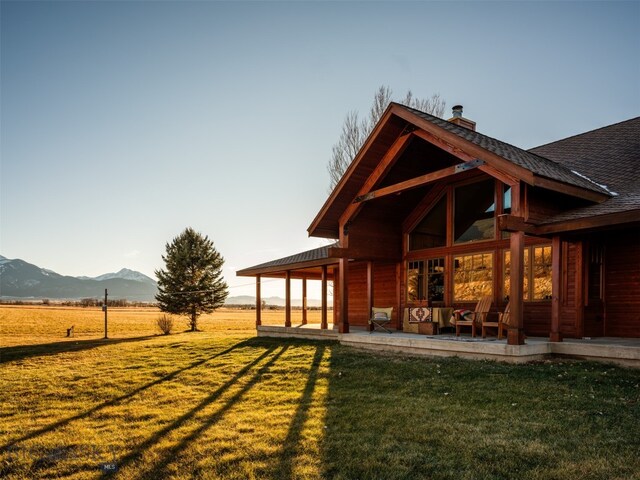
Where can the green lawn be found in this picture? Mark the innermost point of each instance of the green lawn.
(228, 406)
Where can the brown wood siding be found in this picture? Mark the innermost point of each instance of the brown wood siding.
(542, 204)
(622, 284)
(384, 291)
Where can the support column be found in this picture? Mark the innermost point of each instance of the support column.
(258, 303)
(287, 301)
(343, 276)
(304, 301)
(515, 334)
(370, 291)
(323, 320)
(556, 288)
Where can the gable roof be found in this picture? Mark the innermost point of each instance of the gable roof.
(529, 160)
(396, 120)
(610, 156)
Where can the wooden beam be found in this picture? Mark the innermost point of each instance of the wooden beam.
(511, 223)
(569, 189)
(372, 252)
(287, 300)
(465, 147)
(343, 276)
(323, 319)
(599, 221)
(419, 181)
(556, 288)
(444, 145)
(258, 303)
(304, 301)
(388, 160)
(515, 334)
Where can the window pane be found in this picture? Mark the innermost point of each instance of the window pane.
(506, 205)
(415, 281)
(542, 273)
(473, 276)
(507, 279)
(432, 230)
(474, 212)
(435, 280)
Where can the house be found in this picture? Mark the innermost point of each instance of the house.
(432, 211)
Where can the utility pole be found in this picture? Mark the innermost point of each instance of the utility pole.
(104, 307)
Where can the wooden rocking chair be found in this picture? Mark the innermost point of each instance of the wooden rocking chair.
(477, 317)
(504, 319)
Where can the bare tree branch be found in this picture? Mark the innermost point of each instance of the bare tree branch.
(355, 131)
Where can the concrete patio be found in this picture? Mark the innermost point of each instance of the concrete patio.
(621, 351)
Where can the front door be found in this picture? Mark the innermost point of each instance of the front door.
(594, 314)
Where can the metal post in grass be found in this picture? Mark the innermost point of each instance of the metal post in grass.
(104, 308)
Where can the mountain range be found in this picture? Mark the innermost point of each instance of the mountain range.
(23, 280)
(19, 279)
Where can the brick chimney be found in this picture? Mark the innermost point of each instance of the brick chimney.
(458, 119)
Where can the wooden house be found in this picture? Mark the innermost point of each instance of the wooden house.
(432, 211)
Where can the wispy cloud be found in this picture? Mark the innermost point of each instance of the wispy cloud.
(132, 254)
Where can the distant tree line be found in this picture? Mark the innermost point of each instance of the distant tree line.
(84, 302)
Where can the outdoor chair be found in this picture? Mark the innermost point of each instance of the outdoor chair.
(465, 318)
(380, 318)
(502, 323)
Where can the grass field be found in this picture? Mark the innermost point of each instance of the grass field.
(222, 404)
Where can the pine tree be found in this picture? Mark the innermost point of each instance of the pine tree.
(192, 283)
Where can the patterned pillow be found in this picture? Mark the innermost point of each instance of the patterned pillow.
(375, 311)
(420, 314)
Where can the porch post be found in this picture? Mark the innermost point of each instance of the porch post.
(258, 302)
(304, 300)
(515, 334)
(343, 276)
(287, 301)
(370, 291)
(323, 321)
(556, 281)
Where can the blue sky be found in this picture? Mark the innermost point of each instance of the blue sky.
(122, 123)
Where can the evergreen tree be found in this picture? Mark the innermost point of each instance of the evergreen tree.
(192, 283)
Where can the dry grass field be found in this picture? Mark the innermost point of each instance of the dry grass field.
(25, 325)
(223, 404)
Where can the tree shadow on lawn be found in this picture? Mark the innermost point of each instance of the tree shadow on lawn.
(159, 469)
(22, 352)
(91, 411)
(291, 445)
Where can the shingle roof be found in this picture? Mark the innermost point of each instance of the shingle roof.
(609, 156)
(530, 160)
(315, 255)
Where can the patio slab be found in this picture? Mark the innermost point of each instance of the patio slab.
(621, 351)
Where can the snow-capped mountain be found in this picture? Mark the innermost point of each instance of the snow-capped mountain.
(20, 279)
(125, 274)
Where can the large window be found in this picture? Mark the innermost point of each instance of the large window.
(474, 210)
(473, 276)
(432, 230)
(425, 280)
(539, 276)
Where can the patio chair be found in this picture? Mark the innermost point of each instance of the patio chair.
(502, 323)
(380, 318)
(468, 318)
